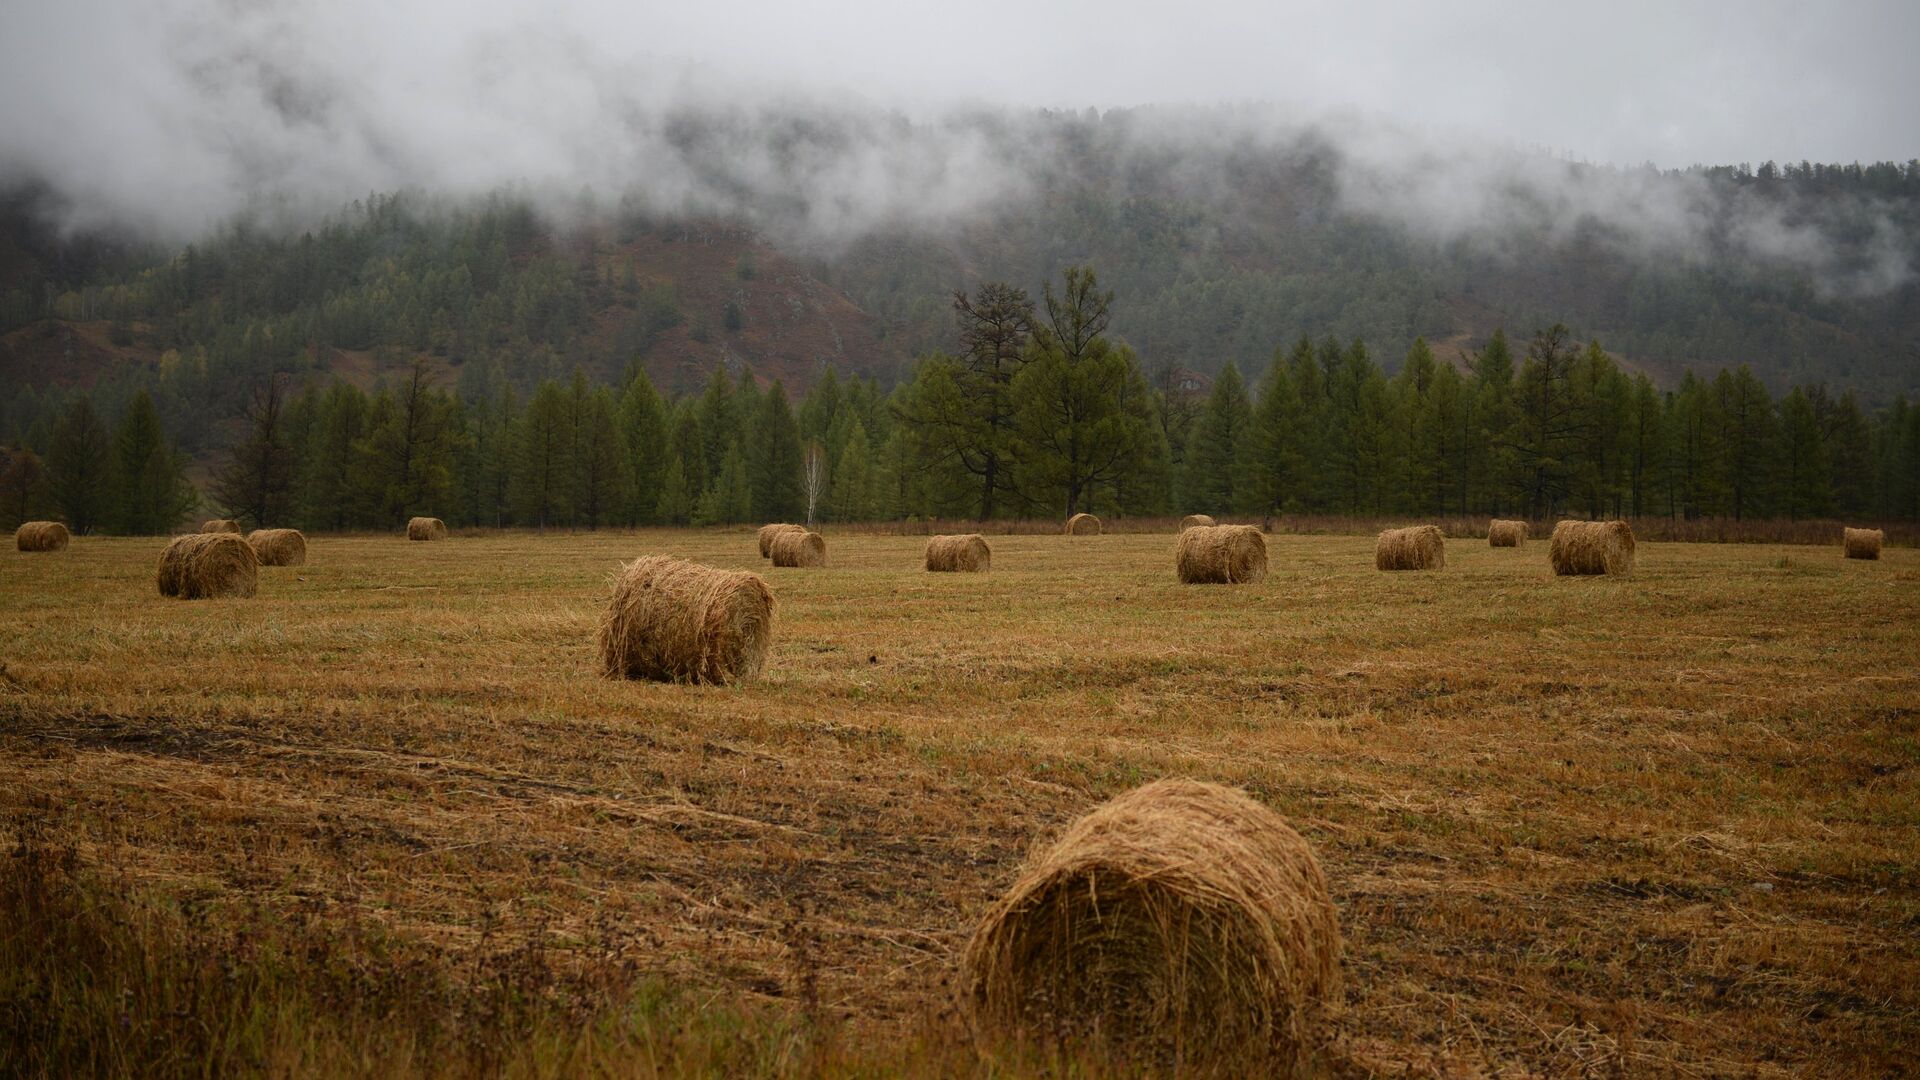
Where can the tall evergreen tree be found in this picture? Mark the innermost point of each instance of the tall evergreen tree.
(1215, 474)
(775, 470)
(643, 430)
(256, 483)
(153, 490)
(600, 488)
(80, 479)
(542, 487)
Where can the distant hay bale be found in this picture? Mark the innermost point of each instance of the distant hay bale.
(1221, 555)
(968, 554)
(1592, 547)
(1083, 525)
(1859, 543)
(202, 565)
(1181, 922)
(675, 621)
(279, 547)
(220, 525)
(426, 528)
(1194, 521)
(798, 547)
(768, 532)
(1422, 547)
(1506, 533)
(41, 536)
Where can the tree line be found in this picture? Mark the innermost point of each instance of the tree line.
(1038, 411)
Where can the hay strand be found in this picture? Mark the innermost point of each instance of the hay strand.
(220, 525)
(202, 565)
(768, 532)
(1861, 543)
(1181, 922)
(1502, 533)
(1421, 547)
(1591, 547)
(1221, 555)
(426, 528)
(798, 547)
(1083, 525)
(41, 536)
(1194, 521)
(279, 547)
(968, 554)
(675, 621)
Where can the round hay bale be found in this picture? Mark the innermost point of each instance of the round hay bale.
(1181, 922)
(1421, 547)
(1503, 533)
(1194, 521)
(1858, 543)
(1083, 525)
(1221, 555)
(41, 536)
(768, 532)
(967, 554)
(426, 528)
(202, 565)
(798, 547)
(220, 525)
(279, 547)
(675, 621)
(1591, 547)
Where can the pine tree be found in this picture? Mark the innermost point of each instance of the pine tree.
(404, 464)
(325, 499)
(1215, 480)
(730, 500)
(719, 421)
(776, 465)
(22, 486)
(853, 479)
(1747, 426)
(1277, 454)
(80, 481)
(256, 483)
(643, 430)
(153, 490)
(601, 485)
(541, 488)
(1805, 472)
(675, 505)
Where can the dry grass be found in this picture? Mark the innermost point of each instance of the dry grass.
(1591, 547)
(1419, 547)
(1862, 543)
(1678, 840)
(1221, 555)
(1083, 525)
(426, 528)
(967, 554)
(678, 621)
(207, 565)
(1182, 924)
(1502, 533)
(41, 536)
(279, 547)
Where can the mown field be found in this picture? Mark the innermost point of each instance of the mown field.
(1660, 825)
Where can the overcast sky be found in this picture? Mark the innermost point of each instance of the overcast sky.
(182, 109)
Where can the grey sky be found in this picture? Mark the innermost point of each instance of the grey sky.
(174, 113)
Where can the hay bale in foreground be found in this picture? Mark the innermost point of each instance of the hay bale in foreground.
(279, 547)
(1196, 521)
(675, 621)
(768, 532)
(220, 525)
(202, 565)
(1221, 555)
(798, 547)
(1083, 525)
(1180, 922)
(968, 554)
(41, 536)
(1591, 547)
(1421, 547)
(1858, 543)
(426, 528)
(1503, 533)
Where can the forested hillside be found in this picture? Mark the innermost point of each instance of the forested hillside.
(1727, 341)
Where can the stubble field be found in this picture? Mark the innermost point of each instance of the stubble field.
(1660, 825)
